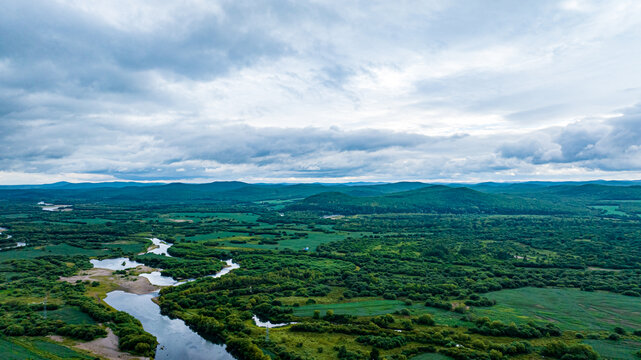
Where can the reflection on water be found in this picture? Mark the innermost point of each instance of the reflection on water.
(155, 278)
(175, 339)
(115, 264)
(161, 249)
(267, 324)
(231, 265)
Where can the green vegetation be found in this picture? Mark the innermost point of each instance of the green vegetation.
(22, 348)
(394, 271)
(71, 315)
(570, 309)
(616, 350)
(610, 210)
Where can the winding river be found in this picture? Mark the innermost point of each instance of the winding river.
(175, 339)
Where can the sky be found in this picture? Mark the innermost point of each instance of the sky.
(319, 91)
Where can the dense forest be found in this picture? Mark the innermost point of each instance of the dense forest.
(350, 271)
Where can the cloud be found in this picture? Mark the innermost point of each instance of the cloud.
(612, 144)
(280, 90)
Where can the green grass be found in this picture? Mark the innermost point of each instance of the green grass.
(380, 307)
(23, 348)
(430, 356)
(311, 241)
(610, 210)
(61, 249)
(199, 216)
(94, 221)
(14, 216)
(570, 309)
(215, 236)
(13, 351)
(70, 315)
(60, 351)
(616, 350)
(130, 246)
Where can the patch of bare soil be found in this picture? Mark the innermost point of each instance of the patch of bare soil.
(88, 275)
(592, 268)
(108, 348)
(181, 220)
(133, 284)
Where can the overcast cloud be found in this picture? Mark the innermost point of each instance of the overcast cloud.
(319, 91)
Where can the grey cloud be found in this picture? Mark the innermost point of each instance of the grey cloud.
(201, 94)
(240, 144)
(60, 46)
(611, 145)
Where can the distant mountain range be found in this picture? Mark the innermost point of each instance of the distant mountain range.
(352, 198)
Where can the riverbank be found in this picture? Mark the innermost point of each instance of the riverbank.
(106, 347)
(108, 281)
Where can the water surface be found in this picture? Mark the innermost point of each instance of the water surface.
(175, 339)
(267, 324)
(155, 278)
(115, 264)
(161, 249)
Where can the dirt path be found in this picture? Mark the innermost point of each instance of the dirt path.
(108, 348)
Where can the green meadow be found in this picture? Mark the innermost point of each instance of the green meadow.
(616, 350)
(27, 348)
(379, 307)
(59, 249)
(570, 309)
(200, 216)
(70, 315)
(430, 356)
(610, 210)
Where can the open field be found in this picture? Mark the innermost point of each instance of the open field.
(570, 309)
(616, 350)
(379, 307)
(25, 348)
(93, 221)
(48, 250)
(200, 216)
(610, 210)
(430, 356)
(311, 241)
(70, 315)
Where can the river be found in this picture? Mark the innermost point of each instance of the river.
(175, 339)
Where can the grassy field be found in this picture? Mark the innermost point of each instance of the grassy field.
(128, 246)
(380, 307)
(200, 216)
(616, 350)
(71, 315)
(215, 236)
(94, 221)
(430, 356)
(61, 249)
(570, 309)
(610, 209)
(24, 348)
(311, 241)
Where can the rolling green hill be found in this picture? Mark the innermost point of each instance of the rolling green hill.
(431, 199)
